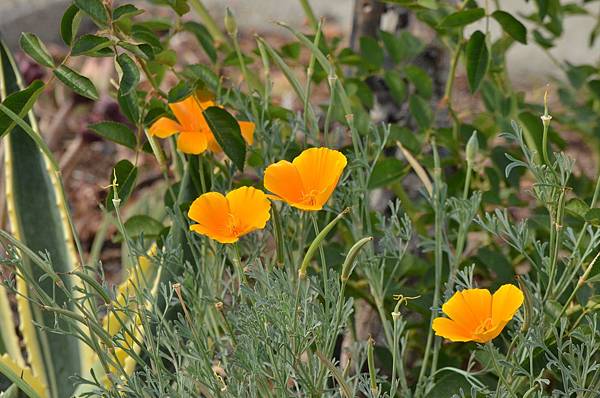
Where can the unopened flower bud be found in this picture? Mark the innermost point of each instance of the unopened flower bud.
(472, 148)
(230, 24)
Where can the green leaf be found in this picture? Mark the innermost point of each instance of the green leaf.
(204, 74)
(396, 85)
(420, 109)
(385, 172)
(69, 24)
(420, 79)
(36, 204)
(94, 9)
(115, 132)
(592, 216)
(204, 38)
(462, 18)
(511, 25)
(90, 44)
(36, 49)
(478, 59)
(577, 207)
(139, 225)
(227, 133)
(124, 175)
(180, 92)
(20, 102)
(371, 51)
(76, 82)
(402, 47)
(594, 86)
(131, 74)
(126, 10)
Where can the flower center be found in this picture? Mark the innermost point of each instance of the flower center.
(232, 226)
(310, 198)
(484, 327)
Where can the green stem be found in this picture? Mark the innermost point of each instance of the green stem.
(310, 15)
(209, 23)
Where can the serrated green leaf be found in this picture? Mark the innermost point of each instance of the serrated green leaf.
(76, 82)
(115, 132)
(90, 44)
(35, 48)
(477, 59)
(124, 175)
(511, 25)
(227, 133)
(131, 74)
(462, 18)
(95, 9)
(69, 24)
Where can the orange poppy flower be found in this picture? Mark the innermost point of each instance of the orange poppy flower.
(476, 315)
(195, 136)
(309, 180)
(227, 218)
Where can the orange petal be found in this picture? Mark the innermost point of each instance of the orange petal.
(469, 307)
(320, 170)
(505, 303)
(189, 113)
(211, 212)
(490, 334)
(192, 142)
(283, 179)
(164, 127)
(450, 330)
(247, 129)
(250, 209)
(213, 145)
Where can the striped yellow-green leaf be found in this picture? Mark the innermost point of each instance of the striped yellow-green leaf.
(39, 219)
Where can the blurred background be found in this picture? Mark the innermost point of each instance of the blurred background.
(529, 65)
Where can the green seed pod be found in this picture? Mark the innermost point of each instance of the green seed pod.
(317, 242)
(371, 363)
(351, 256)
(230, 24)
(472, 148)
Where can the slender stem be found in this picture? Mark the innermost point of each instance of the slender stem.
(310, 15)
(210, 23)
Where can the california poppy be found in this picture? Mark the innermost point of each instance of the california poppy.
(195, 136)
(476, 315)
(309, 180)
(227, 218)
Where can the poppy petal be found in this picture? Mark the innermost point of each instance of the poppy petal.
(247, 129)
(211, 212)
(450, 330)
(250, 209)
(479, 301)
(505, 303)
(189, 113)
(211, 234)
(164, 127)
(490, 334)
(192, 142)
(283, 179)
(459, 307)
(320, 170)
